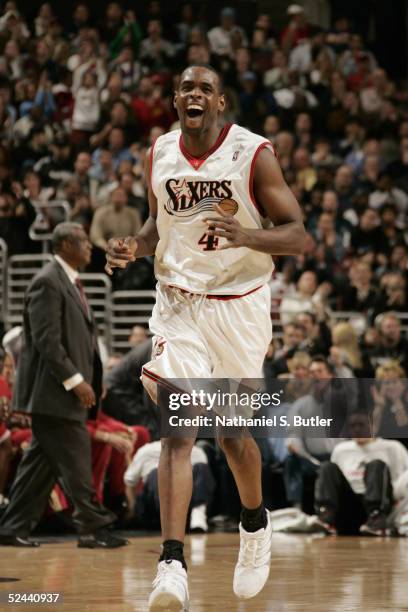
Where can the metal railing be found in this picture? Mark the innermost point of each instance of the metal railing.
(128, 308)
(21, 269)
(98, 289)
(116, 313)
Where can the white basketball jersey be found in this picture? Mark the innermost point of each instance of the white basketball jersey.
(186, 189)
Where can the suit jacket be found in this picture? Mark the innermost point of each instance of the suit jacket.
(59, 341)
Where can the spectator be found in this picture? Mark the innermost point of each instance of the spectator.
(391, 343)
(356, 490)
(361, 292)
(227, 36)
(86, 109)
(138, 335)
(155, 51)
(293, 337)
(368, 234)
(343, 185)
(146, 505)
(345, 350)
(306, 450)
(115, 219)
(394, 294)
(386, 193)
(306, 298)
(306, 176)
(126, 399)
(318, 336)
(149, 107)
(390, 413)
(297, 28)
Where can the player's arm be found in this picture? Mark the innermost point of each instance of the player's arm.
(120, 251)
(277, 200)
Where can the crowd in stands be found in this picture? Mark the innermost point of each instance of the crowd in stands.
(81, 103)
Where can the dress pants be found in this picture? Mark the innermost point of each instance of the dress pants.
(60, 449)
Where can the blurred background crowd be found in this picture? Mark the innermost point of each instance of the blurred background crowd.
(83, 96)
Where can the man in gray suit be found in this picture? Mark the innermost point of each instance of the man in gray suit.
(59, 379)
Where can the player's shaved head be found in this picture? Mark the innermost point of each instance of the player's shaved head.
(203, 67)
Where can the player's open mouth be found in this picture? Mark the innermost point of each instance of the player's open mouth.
(194, 111)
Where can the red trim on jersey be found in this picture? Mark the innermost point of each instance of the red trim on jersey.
(197, 162)
(258, 207)
(223, 298)
(151, 162)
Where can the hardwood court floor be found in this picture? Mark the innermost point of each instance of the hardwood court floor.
(309, 573)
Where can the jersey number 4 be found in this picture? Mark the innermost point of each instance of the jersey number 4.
(210, 242)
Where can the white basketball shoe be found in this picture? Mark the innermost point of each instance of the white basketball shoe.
(170, 588)
(252, 568)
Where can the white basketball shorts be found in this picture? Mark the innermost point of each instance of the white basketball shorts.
(198, 336)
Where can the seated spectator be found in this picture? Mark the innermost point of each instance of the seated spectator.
(322, 157)
(117, 146)
(387, 193)
(118, 115)
(390, 413)
(112, 21)
(391, 343)
(368, 233)
(318, 336)
(5, 436)
(357, 488)
(145, 506)
(126, 399)
(149, 107)
(222, 38)
(306, 450)
(103, 170)
(113, 447)
(328, 238)
(114, 219)
(345, 351)
(82, 211)
(277, 77)
(138, 335)
(306, 298)
(285, 143)
(393, 295)
(297, 386)
(398, 169)
(271, 127)
(293, 337)
(394, 235)
(343, 185)
(82, 166)
(155, 51)
(361, 292)
(297, 29)
(306, 176)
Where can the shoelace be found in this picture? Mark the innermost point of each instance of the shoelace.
(171, 575)
(248, 553)
(252, 552)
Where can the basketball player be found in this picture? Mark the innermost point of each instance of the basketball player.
(211, 193)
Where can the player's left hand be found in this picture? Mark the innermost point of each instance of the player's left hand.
(227, 227)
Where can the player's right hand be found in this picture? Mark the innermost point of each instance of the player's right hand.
(85, 394)
(119, 252)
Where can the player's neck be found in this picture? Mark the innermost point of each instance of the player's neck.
(199, 144)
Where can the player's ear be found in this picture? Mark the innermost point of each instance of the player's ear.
(221, 103)
(175, 99)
